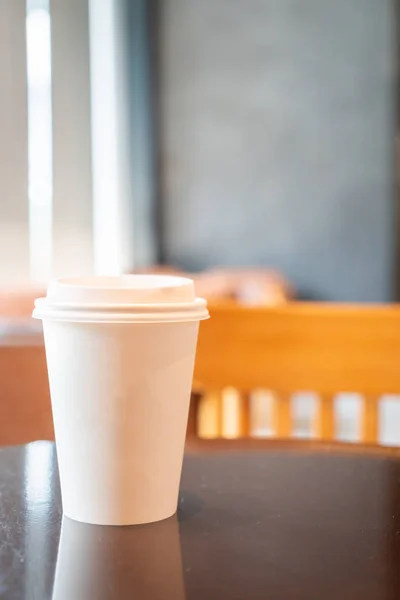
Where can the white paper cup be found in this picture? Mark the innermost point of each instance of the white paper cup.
(120, 355)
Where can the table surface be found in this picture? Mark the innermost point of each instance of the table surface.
(275, 523)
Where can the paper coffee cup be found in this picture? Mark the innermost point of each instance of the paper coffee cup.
(120, 355)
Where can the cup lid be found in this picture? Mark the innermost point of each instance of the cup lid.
(129, 298)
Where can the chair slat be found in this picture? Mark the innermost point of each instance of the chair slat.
(325, 422)
(283, 415)
(370, 419)
(245, 414)
(209, 422)
(192, 417)
(231, 413)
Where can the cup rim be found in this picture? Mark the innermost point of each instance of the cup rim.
(121, 313)
(127, 298)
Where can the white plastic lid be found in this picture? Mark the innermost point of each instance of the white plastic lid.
(129, 298)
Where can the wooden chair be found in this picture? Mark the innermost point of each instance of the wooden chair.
(25, 408)
(298, 347)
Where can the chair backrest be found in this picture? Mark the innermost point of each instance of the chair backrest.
(302, 347)
(25, 409)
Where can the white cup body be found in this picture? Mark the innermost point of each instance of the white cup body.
(120, 394)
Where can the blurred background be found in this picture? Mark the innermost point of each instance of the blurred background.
(201, 134)
(250, 143)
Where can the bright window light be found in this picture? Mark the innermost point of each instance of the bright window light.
(38, 48)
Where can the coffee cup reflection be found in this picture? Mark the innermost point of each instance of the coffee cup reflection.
(106, 562)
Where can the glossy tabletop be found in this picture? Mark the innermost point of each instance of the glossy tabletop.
(257, 524)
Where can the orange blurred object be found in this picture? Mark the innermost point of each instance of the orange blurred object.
(245, 286)
(25, 410)
(18, 302)
(248, 286)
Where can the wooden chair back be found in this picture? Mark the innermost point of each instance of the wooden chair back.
(25, 408)
(301, 347)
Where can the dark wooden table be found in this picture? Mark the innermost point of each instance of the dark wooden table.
(262, 524)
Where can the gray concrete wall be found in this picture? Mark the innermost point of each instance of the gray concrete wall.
(277, 140)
